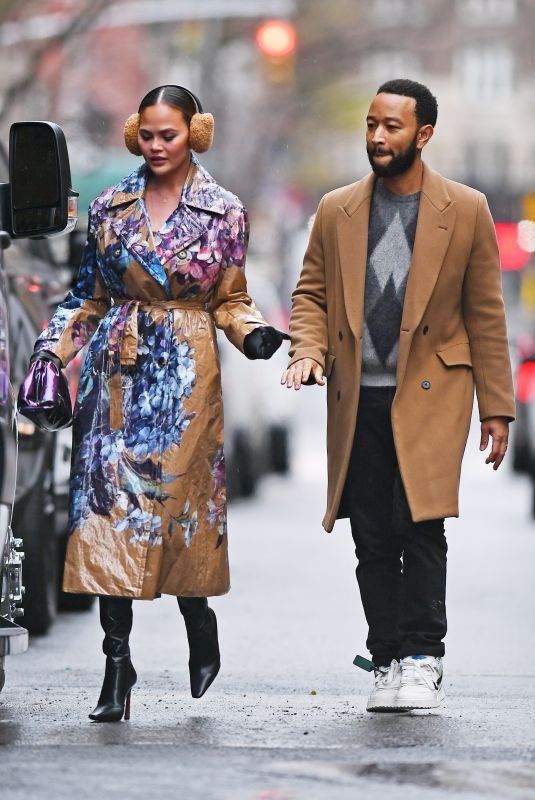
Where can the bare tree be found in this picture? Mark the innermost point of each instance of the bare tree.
(80, 21)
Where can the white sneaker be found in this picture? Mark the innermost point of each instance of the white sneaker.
(421, 683)
(385, 691)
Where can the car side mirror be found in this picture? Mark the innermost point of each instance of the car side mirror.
(42, 202)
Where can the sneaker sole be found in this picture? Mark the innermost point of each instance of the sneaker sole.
(386, 710)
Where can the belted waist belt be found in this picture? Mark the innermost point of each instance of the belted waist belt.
(123, 350)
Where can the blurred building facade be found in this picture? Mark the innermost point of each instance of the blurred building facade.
(286, 130)
(476, 56)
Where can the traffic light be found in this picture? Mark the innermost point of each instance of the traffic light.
(277, 42)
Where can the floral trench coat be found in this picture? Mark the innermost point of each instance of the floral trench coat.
(147, 502)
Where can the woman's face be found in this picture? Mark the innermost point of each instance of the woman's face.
(164, 139)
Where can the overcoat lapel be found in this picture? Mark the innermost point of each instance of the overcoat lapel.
(434, 229)
(131, 226)
(352, 230)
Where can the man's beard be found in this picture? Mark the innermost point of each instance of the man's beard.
(398, 165)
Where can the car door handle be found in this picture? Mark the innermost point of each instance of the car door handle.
(5, 240)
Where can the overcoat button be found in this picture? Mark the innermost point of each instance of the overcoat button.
(338, 394)
(425, 330)
(340, 335)
(426, 384)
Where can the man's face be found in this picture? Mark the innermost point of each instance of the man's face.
(392, 135)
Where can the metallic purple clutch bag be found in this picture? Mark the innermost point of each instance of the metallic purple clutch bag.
(44, 396)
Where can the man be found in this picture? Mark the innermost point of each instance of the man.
(399, 306)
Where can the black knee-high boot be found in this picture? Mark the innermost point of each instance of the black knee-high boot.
(120, 675)
(201, 627)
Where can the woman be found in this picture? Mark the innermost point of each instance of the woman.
(164, 261)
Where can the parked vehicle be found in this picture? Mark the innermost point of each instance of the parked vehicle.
(37, 202)
(257, 409)
(523, 431)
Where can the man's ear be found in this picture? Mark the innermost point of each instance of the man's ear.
(424, 135)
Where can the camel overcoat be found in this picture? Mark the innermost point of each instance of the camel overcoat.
(453, 335)
(147, 489)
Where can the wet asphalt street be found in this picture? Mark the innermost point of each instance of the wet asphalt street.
(286, 718)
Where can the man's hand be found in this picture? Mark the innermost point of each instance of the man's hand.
(303, 371)
(498, 428)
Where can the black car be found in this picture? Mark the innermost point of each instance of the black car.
(36, 202)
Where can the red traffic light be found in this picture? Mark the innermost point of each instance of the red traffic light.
(276, 38)
(512, 256)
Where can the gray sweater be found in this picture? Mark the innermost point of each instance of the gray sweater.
(391, 232)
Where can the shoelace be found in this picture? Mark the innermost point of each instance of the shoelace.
(384, 676)
(415, 673)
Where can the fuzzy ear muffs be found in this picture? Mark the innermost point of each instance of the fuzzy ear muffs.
(131, 129)
(201, 132)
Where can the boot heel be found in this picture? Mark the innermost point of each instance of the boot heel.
(127, 706)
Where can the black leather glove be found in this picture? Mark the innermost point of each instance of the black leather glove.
(46, 355)
(263, 342)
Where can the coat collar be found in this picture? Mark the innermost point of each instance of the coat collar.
(202, 192)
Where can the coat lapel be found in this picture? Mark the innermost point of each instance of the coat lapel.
(434, 229)
(129, 221)
(352, 230)
(131, 226)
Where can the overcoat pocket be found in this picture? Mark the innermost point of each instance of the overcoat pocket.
(456, 355)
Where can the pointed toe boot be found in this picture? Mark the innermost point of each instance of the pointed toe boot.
(201, 628)
(114, 701)
(120, 675)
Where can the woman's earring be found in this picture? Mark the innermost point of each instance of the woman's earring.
(131, 130)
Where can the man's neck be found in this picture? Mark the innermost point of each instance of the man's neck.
(409, 182)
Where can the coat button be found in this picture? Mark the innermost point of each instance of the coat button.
(426, 384)
(340, 335)
(425, 330)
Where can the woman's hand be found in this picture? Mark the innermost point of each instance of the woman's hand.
(305, 371)
(263, 342)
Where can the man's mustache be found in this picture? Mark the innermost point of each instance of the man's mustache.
(379, 151)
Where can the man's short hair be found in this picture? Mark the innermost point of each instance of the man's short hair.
(426, 104)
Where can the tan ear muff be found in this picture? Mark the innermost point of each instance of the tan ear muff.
(201, 132)
(131, 130)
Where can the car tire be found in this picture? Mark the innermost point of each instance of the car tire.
(35, 526)
(521, 458)
(244, 464)
(279, 448)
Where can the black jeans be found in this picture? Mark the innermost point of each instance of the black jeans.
(401, 568)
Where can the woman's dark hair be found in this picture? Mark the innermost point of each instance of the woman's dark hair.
(175, 96)
(426, 104)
